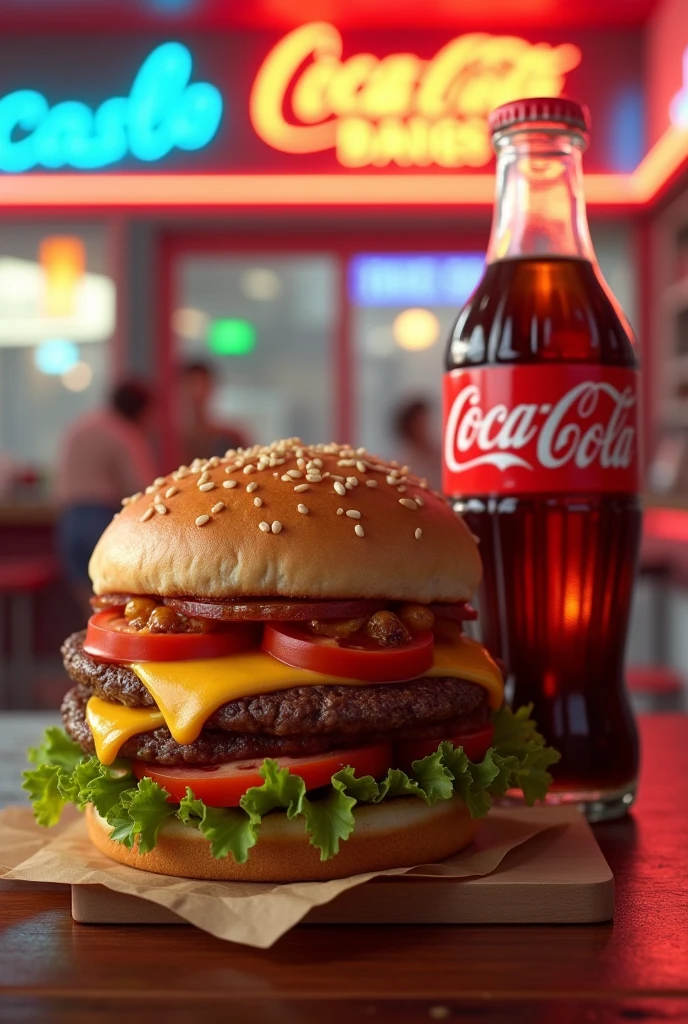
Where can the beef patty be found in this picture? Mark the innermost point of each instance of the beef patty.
(217, 747)
(303, 711)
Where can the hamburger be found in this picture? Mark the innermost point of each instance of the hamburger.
(275, 684)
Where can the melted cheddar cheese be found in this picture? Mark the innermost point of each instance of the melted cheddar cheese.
(187, 693)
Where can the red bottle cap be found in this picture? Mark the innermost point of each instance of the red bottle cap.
(548, 109)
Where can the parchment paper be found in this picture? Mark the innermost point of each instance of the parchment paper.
(251, 913)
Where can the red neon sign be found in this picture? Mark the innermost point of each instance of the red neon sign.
(397, 110)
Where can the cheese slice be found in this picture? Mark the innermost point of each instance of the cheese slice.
(113, 724)
(189, 692)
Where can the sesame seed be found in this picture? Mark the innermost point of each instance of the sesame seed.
(301, 463)
(353, 513)
(402, 489)
(318, 463)
(361, 466)
(150, 511)
(218, 508)
(202, 520)
(207, 487)
(276, 526)
(353, 480)
(171, 491)
(424, 484)
(250, 468)
(408, 503)
(303, 509)
(340, 511)
(280, 462)
(349, 487)
(371, 483)
(159, 481)
(418, 534)
(358, 530)
(285, 479)
(258, 502)
(300, 488)
(313, 478)
(347, 462)
(250, 488)
(391, 480)
(334, 476)
(339, 488)
(125, 501)
(229, 484)
(294, 473)
(419, 502)
(265, 527)
(203, 479)
(275, 474)
(160, 508)
(150, 488)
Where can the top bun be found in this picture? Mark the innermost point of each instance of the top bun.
(271, 522)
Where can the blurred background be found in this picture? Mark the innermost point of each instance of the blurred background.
(222, 223)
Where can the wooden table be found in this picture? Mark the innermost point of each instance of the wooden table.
(52, 969)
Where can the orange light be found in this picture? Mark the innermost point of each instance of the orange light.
(63, 260)
(416, 329)
(197, 191)
(398, 109)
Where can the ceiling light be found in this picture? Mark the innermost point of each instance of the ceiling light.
(78, 378)
(261, 284)
(55, 356)
(190, 324)
(416, 329)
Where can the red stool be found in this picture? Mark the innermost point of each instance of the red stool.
(656, 688)
(20, 580)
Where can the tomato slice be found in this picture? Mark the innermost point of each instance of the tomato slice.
(295, 646)
(474, 742)
(273, 609)
(224, 785)
(107, 637)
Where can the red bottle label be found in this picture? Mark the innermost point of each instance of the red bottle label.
(522, 429)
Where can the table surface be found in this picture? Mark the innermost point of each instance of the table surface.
(633, 969)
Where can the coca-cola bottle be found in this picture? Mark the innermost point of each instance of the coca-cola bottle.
(541, 455)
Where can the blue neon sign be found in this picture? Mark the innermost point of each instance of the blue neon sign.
(414, 279)
(163, 111)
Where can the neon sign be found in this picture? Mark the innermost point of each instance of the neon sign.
(163, 111)
(678, 108)
(397, 109)
(418, 279)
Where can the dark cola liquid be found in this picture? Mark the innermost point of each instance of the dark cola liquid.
(559, 570)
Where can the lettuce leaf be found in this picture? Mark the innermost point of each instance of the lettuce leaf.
(139, 815)
(137, 810)
(43, 786)
(226, 829)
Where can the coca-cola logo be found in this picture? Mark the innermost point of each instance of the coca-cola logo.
(593, 422)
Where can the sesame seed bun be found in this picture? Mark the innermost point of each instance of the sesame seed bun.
(266, 522)
(394, 834)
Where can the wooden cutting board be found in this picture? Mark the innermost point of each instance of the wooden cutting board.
(558, 877)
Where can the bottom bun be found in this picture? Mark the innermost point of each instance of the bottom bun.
(396, 834)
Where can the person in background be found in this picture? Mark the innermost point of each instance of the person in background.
(415, 444)
(201, 435)
(104, 456)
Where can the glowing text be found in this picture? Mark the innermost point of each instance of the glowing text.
(163, 111)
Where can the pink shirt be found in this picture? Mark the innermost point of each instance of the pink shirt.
(104, 457)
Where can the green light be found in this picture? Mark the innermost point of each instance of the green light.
(230, 337)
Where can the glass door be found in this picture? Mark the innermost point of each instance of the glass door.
(253, 344)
